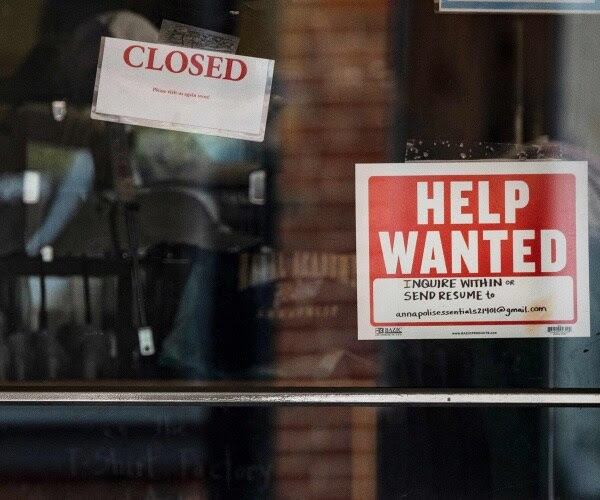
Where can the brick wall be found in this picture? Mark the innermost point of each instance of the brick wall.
(336, 87)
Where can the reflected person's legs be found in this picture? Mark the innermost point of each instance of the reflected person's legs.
(73, 191)
(188, 350)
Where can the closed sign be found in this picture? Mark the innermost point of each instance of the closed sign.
(183, 89)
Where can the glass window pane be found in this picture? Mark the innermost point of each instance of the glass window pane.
(173, 256)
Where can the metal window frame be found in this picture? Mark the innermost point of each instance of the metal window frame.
(301, 397)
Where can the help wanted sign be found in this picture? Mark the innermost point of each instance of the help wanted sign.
(472, 250)
(178, 88)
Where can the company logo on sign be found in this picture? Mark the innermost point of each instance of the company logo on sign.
(461, 246)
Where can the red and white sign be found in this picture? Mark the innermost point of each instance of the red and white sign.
(472, 250)
(184, 89)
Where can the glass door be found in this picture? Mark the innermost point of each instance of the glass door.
(208, 210)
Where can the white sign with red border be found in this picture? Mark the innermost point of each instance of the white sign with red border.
(472, 250)
(184, 89)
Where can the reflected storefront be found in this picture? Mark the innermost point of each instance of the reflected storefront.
(142, 260)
